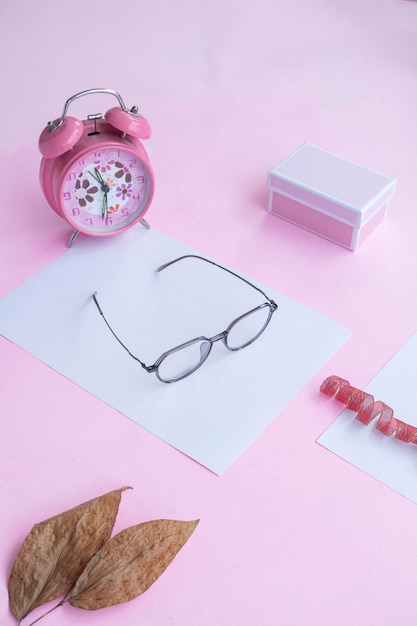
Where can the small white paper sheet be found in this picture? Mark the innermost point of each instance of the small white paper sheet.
(213, 415)
(389, 460)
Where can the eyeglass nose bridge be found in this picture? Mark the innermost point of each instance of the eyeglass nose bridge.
(219, 337)
(207, 344)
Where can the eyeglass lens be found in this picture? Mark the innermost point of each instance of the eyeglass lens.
(248, 327)
(185, 359)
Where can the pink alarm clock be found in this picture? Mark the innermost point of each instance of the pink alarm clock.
(95, 173)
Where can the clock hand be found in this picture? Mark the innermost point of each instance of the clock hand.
(104, 187)
(97, 176)
(104, 206)
(100, 179)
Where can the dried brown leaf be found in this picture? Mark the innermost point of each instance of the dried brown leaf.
(129, 563)
(57, 550)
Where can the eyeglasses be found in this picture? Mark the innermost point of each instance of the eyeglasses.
(183, 360)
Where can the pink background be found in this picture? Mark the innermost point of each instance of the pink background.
(291, 534)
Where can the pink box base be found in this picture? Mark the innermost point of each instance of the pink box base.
(321, 224)
(312, 220)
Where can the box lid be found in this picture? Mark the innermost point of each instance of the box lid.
(332, 184)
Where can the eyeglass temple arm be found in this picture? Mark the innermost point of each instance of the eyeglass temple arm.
(195, 256)
(148, 368)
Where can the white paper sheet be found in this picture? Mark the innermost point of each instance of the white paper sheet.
(390, 460)
(213, 415)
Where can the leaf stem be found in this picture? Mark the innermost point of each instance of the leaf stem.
(47, 612)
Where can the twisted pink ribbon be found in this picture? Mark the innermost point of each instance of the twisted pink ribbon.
(367, 409)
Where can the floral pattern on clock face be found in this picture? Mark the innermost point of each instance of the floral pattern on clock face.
(106, 191)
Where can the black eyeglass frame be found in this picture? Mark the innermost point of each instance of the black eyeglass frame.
(271, 304)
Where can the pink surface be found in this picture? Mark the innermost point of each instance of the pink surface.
(291, 534)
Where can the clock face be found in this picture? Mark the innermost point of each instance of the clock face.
(106, 191)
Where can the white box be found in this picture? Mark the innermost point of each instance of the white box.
(328, 195)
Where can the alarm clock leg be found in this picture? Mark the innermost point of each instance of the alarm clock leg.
(73, 238)
(144, 223)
